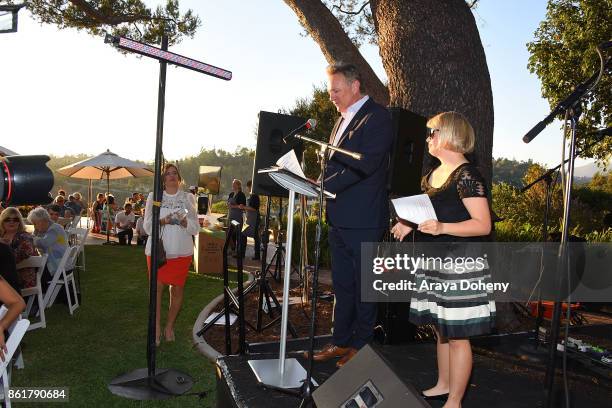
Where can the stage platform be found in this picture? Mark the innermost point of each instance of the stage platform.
(498, 379)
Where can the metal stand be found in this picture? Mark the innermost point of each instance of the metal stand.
(279, 252)
(265, 293)
(571, 107)
(231, 303)
(282, 373)
(150, 383)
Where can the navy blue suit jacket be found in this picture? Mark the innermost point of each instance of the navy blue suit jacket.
(361, 185)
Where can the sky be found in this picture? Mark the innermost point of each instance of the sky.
(66, 92)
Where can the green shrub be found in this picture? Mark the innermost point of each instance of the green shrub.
(311, 230)
(219, 207)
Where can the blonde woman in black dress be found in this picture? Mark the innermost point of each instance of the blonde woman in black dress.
(459, 196)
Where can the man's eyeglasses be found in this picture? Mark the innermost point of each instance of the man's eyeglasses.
(11, 219)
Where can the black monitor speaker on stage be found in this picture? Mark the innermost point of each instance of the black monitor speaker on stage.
(270, 147)
(405, 170)
(366, 380)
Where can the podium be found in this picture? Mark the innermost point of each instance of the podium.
(283, 373)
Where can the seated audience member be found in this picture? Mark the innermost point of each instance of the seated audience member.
(54, 211)
(141, 234)
(49, 238)
(13, 234)
(79, 200)
(68, 214)
(73, 205)
(8, 267)
(61, 202)
(9, 296)
(124, 221)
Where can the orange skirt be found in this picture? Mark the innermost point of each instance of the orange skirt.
(174, 272)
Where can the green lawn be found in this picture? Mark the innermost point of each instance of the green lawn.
(106, 336)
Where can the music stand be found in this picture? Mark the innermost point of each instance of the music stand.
(283, 373)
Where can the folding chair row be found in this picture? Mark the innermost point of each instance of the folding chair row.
(35, 293)
(16, 333)
(64, 276)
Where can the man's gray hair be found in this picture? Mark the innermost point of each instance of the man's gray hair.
(38, 214)
(350, 72)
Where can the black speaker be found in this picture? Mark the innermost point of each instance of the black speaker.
(393, 325)
(367, 381)
(270, 147)
(203, 205)
(405, 170)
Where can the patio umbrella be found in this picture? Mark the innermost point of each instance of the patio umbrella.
(6, 152)
(107, 166)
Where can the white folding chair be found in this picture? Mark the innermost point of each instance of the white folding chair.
(75, 221)
(16, 333)
(64, 277)
(81, 236)
(35, 292)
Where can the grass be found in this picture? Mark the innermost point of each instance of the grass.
(106, 336)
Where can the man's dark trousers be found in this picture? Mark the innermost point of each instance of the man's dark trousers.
(354, 320)
(123, 234)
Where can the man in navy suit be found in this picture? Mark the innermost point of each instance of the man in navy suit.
(360, 211)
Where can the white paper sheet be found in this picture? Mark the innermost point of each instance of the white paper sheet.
(221, 320)
(416, 209)
(290, 162)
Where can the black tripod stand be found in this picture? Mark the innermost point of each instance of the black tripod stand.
(279, 252)
(260, 285)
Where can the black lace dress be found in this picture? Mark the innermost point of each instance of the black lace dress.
(456, 311)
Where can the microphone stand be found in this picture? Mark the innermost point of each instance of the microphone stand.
(571, 106)
(307, 388)
(547, 178)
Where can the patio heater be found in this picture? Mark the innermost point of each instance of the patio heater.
(8, 17)
(150, 382)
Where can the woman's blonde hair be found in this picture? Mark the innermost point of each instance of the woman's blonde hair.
(455, 132)
(167, 166)
(11, 212)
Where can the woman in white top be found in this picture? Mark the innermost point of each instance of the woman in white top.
(178, 221)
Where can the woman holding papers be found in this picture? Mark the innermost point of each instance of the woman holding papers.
(178, 220)
(458, 194)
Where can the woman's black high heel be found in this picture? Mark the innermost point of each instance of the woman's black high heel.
(439, 397)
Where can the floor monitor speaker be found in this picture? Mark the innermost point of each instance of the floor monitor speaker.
(367, 381)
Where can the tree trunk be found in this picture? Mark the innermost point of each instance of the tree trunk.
(336, 46)
(435, 62)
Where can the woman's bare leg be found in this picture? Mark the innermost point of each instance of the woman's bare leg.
(176, 302)
(460, 370)
(443, 357)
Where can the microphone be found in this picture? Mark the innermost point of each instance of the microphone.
(535, 131)
(309, 125)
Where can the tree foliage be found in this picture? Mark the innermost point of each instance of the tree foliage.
(130, 18)
(524, 212)
(319, 107)
(563, 55)
(510, 171)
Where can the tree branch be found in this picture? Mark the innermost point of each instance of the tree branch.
(335, 44)
(113, 20)
(354, 13)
